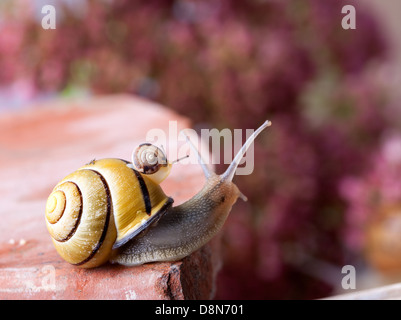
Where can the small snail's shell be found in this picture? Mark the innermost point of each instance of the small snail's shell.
(100, 207)
(151, 160)
(148, 158)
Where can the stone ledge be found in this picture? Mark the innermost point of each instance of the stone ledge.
(40, 146)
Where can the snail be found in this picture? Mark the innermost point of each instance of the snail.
(114, 210)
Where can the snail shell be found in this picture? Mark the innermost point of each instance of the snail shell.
(151, 161)
(148, 158)
(100, 207)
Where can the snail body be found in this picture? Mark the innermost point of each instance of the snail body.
(107, 211)
(184, 228)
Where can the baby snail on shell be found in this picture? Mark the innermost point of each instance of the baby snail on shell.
(110, 210)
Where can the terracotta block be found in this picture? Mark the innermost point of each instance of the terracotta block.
(41, 145)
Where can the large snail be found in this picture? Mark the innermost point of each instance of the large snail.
(107, 210)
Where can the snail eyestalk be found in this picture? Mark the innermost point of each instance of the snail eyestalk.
(179, 159)
(230, 172)
(208, 173)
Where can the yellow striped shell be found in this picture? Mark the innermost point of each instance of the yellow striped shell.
(99, 207)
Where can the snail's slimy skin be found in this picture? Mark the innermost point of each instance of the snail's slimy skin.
(173, 237)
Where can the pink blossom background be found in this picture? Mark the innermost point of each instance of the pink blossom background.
(335, 145)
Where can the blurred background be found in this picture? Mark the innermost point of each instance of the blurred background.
(326, 189)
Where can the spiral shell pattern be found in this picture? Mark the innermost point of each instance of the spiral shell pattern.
(99, 207)
(148, 158)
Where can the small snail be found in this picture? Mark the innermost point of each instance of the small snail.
(109, 210)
